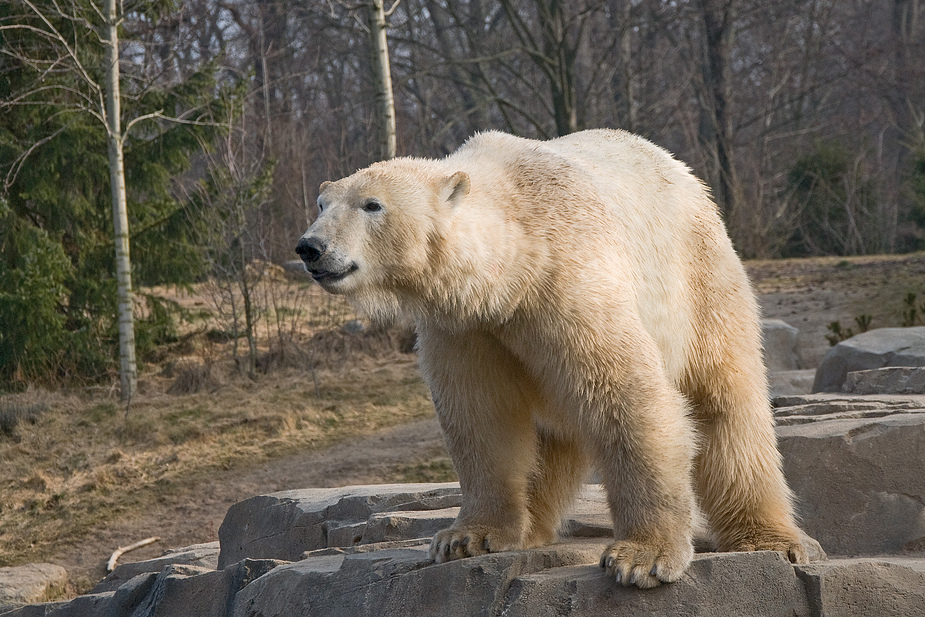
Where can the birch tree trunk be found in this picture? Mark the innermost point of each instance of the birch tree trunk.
(382, 78)
(128, 371)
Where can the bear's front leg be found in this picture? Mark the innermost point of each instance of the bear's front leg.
(482, 399)
(639, 430)
(646, 447)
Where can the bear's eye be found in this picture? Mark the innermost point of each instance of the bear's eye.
(372, 206)
(320, 206)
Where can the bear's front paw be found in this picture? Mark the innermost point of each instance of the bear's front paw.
(646, 565)
(456, 543)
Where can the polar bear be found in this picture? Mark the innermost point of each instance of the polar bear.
(577, 302)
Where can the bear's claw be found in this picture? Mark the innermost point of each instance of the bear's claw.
(452, 543)
(644, 565)
(792, 549)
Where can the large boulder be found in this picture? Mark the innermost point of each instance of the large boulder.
(870, 350)
(34, 582)
(855, 465)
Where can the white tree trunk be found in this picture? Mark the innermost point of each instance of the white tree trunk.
(382, 77)
(127, 368)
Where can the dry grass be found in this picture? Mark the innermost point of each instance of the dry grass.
(874, 285)
(83, 461)
(71, 460)
(882, 281)
(436, 469)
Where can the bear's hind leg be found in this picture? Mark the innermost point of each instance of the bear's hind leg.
(562, 464)
(483, 401)
(738, 472)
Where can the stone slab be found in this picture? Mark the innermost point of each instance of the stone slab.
(857, 468)
(717, 584)
(202, 555)
(888, 587)
(286, 524)
(401, 582)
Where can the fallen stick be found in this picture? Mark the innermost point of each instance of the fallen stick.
(111, 565)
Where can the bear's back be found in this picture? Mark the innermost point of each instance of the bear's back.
(641, 206)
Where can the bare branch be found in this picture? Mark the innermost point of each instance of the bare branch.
(20, 160)
(394, 6)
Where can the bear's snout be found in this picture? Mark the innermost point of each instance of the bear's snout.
(310, 249)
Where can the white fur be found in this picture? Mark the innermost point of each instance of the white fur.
(577, 302)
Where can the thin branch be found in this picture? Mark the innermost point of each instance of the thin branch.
(20, 160)
(157, 115)
(78, 66)
(392, 9)
(111, 564)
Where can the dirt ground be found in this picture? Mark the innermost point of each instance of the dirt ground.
(194, 514)
(808, 294)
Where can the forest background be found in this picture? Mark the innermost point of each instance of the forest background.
(805, 117)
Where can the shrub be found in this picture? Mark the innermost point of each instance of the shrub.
(835, 204)
(33, 269)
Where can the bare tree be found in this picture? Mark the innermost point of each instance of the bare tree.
(128, 370)
(553, 49)
(908, 22)
(716, 127)
(237, 187)
(382, 75)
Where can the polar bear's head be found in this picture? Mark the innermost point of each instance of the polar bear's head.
(380, 231)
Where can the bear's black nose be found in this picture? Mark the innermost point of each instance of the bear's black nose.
(310, 249)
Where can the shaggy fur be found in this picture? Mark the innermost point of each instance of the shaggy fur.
(577, 303)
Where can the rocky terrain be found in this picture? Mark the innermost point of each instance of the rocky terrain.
(854, 462)
(853, 455)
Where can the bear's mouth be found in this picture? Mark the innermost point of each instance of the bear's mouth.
(326, 276)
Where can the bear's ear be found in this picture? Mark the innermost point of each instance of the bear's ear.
(323, 186)
(456, 186)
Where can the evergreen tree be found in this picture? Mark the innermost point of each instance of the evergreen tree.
(53, 159)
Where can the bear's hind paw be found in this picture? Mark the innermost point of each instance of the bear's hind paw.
(645, 565)
(463, 542)
(793, 549)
